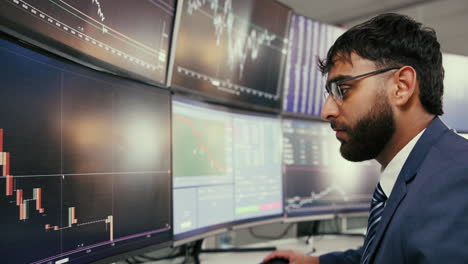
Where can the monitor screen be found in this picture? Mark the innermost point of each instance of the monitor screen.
(84, 161)
(304, 84)
(226, 167)
(317, 179)
(125, 37)
(455, 91)
(231, 50)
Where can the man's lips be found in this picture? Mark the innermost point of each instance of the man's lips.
(340, 132)
(337, 129)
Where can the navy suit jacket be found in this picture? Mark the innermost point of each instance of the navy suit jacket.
(426, 216)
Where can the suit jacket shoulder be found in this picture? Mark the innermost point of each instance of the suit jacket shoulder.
(429, 223)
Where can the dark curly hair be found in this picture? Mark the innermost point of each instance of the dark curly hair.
(396, 40)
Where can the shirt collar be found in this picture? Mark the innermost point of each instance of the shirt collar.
(390, 174)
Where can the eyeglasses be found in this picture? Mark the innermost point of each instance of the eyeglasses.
(333, 88)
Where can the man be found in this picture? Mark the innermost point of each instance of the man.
(385, 86)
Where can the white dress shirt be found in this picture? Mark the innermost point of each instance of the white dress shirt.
(390, 174)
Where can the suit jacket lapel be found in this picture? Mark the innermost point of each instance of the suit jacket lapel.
(407, 173)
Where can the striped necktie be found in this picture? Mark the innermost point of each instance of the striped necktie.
(377, 206)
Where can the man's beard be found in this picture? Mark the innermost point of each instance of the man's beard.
(371, 133)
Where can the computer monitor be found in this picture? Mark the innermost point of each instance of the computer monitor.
(226, 167)
(304, 84)
(317, 179)
(230, 51)
(129, 38)
(455, 91)
(85, 161)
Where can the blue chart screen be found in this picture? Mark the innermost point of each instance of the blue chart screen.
(303, 82)
(224, 46)
(84, 161)
(318, 180)
(227, 167)
(130, 35)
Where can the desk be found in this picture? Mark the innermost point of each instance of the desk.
(322, 244)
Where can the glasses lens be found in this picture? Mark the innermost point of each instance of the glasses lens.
(325, 95)
(336, 92)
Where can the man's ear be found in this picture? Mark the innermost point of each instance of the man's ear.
(406, 83)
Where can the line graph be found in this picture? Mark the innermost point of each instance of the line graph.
(95, 28)
(317, 177)
(327, 194)
(231, 44)
(240, 45)
(103, 27)
(99, 10)
(202, 151)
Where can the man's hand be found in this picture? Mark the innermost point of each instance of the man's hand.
(294, 257)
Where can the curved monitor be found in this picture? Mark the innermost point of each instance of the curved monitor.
(84, 161)
(226, 167)
(230, 51)
(317, 179)
(128, 38)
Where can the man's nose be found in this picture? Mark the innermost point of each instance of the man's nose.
(330, 109)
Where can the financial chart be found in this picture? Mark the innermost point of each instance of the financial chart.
(227, 167)
(84, 161)
(223, 46)
(317, 178)
(207, 140)
(129, 36)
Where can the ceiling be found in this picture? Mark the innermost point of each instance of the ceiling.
(448, 17)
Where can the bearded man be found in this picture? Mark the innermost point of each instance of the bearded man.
(384, 98)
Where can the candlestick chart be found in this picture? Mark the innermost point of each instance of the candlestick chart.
(84, 161)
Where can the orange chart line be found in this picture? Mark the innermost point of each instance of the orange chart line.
(200, 145)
